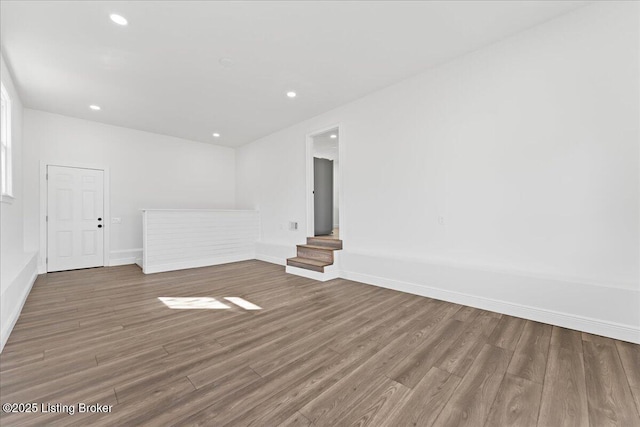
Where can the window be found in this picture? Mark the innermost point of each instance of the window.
(5, 146)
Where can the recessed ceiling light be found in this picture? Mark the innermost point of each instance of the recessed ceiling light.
(118, 19)
(216, 135)
(291, 94)
(333, 136)
(94, 107)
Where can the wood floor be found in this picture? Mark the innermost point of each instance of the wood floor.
(337, 353)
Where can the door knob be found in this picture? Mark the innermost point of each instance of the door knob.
(99, 219)
(99, 225)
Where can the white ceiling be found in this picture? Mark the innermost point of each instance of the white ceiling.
(162, 74)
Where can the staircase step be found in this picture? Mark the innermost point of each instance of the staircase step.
(326, 242)
(308, 264)
(320, 253)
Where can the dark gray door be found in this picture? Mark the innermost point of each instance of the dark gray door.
(322, 196)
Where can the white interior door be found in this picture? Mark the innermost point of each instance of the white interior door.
(75, 218)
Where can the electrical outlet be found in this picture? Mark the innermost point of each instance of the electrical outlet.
(441, 220)
(116, 220)
(293, 226)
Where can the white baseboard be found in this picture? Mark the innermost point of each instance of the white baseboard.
(124, 257)
(14, 297)
(183, 265)
(608, 311)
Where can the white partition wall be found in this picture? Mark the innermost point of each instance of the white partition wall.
(175, 239)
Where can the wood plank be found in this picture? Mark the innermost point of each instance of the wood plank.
(467, 313)
(529, 360)
(139, 409)
(341, 405)
(331, 402)
(630, 357)
(373, 408)
(17, 359)
(507, 332)
(608, 393)
(564, 394)
(277, 407)
(233, 386)
(516, 404)
(372, 329)
(296, 420)
(415, 366)
(464, 350)
(567, 339)
(31, 374)
(278, 382)
(424, 403)
(472, 399)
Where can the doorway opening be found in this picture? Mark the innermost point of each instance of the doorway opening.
(325, 180)
(319, 257)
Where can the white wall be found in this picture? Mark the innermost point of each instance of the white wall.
(527, 149)
(17, 266)
(146, 171)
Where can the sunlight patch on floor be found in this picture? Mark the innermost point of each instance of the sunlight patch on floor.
(193, 303)
(206, 303)
(243, 303)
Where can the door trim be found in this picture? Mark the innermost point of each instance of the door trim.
(341, 180)
(42, 255)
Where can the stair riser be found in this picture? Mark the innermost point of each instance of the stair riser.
(305, 266)
(327, 243)
(319, 254)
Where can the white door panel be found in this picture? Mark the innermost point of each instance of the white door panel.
(75, 226)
